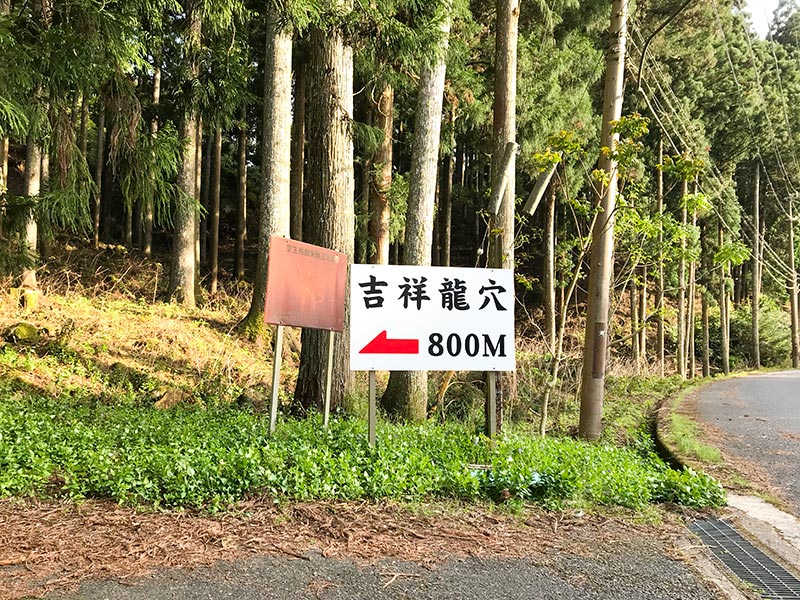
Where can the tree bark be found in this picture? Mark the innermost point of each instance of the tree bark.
(690, 345)
(660, 284)
(83, 137)
(147, 242)
(704, 299)
(98, 173)
(241, 201)
(213, 213)
(643, 314)
(504, 125)
(329, 222)
(550, 271)
(406, 395)
(276, 156)
(298, 151)
(379, 210)
(601, 266)
(33, 173)
(5, 8)
(756, 291)
(446, 193)
(205, 166)
(634, 302)
(183, 272)
(724, 324)
(681, 342)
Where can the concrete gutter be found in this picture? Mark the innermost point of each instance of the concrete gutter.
(776, 532)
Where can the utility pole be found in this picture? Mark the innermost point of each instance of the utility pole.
(756, 267)
(793, 291)
(601, 267)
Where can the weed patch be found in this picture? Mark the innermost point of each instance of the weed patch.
(212, 457)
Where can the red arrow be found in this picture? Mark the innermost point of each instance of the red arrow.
(382, 345)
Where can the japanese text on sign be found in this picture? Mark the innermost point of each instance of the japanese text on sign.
(431, 318)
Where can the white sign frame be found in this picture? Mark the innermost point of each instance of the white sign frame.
(462, 319)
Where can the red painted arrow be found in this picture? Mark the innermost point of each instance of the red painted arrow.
(382, 345)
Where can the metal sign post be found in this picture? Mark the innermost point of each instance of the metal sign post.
(372, 411)
(326, 415)
(305, 288)
(276, 378)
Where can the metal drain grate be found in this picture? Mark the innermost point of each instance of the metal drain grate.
(749, 563)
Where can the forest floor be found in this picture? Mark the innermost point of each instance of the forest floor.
(48, 545)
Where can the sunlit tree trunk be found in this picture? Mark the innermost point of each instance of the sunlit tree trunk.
(550, 271)
(276, 154)
(504, 126)
(183, 272)
(382, 181)
(329, 221)
(704, 299)
(659, 300)
(406, 395)
(643, 313)
(204, 167)
(213, 212)
(98, 173)
(241, 201)
(446, 192)
(5, 8)
(148, 219)
(298, 150)
(601, 266)
(33, 172)
(681, 341)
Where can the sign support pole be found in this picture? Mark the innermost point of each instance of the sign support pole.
(491, 404)
(326, 415)
(371, 415)
(276, 377)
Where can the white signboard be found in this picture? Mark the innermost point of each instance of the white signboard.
(431, 319)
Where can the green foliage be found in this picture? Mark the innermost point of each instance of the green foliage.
(733, 252)
(682, 167)
(774, 332)
(215, 456)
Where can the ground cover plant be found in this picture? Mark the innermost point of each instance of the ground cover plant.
(84, 414)
(212, 457)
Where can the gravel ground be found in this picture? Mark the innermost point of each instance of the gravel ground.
(760, 418)
(639, 569)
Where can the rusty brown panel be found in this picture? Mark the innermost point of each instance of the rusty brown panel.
(305, 285)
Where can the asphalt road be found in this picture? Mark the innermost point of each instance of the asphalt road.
(634, 571)
(760, 417)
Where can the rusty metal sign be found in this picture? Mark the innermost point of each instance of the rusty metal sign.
(305, 285)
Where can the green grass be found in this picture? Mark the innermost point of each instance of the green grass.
(684, 433)
(213, 457)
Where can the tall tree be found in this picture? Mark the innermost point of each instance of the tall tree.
(504, 129)
(601, 266)
(183, 272)
(276, 159)
(329, 222)
(379, 210)
(298, 149)
(406, 395)
(241, 199)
